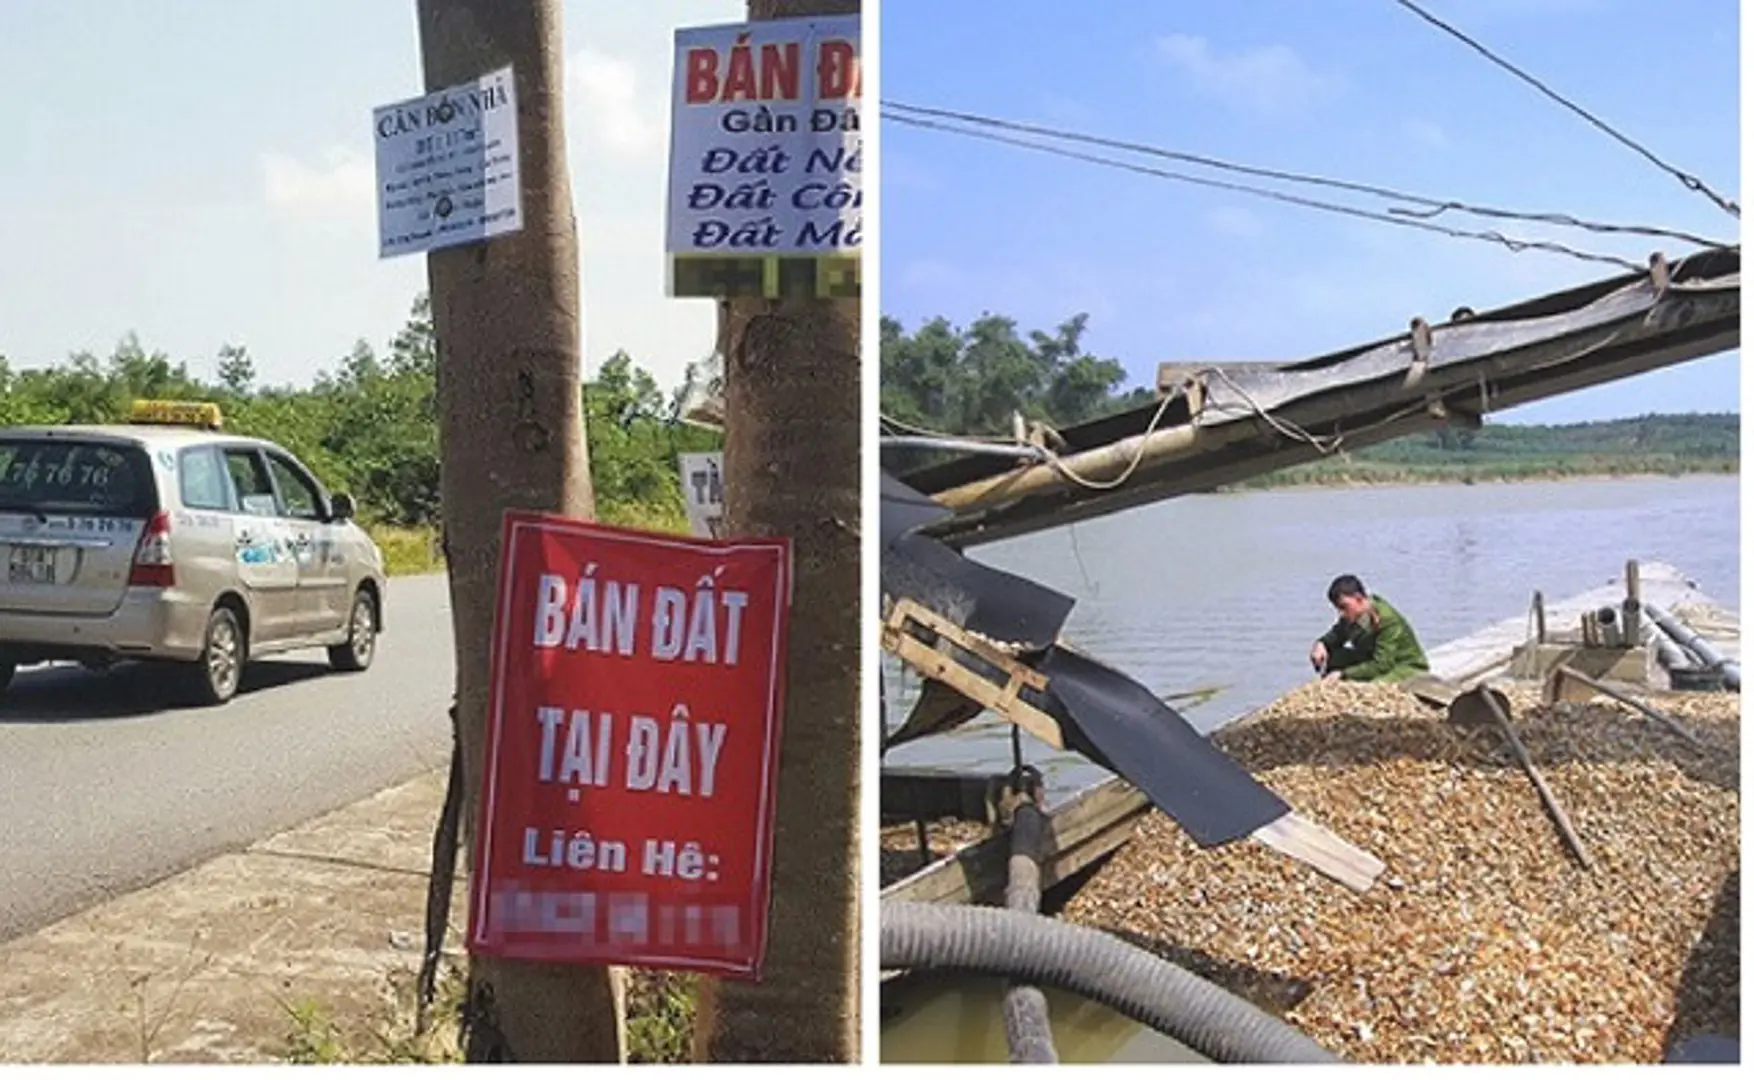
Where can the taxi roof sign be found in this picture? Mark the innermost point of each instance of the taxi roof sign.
(201, 414)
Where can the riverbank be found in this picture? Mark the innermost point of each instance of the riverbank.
(1363, 475)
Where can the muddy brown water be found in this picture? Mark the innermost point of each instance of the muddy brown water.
(1227, 591)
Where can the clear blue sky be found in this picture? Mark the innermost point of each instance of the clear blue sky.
(1355, 89)
(201, 172)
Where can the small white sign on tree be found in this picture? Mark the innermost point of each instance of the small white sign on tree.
(448, 167)
(703, 493)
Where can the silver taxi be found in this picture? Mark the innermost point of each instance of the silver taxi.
(166, 539)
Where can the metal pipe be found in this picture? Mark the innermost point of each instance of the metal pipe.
(1098, 465)
(1015, 451)
(1669, 654)
(1694, 643)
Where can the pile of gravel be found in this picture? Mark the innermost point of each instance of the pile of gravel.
(1485, 940)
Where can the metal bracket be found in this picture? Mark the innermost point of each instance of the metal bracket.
(1007, 792)
(1184, 379)
(1659, 272)
(933, 661)
(1420, 338)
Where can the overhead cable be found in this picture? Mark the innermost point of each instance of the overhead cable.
(1688, 180)
(1433, 206)
(1489, 236)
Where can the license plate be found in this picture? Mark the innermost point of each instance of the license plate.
(31, 566)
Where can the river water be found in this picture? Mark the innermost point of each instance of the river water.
(1228, 591)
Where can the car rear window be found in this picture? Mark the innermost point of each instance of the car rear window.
(71, 476)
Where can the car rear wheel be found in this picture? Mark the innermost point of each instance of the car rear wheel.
(213, 679)
(362, 636)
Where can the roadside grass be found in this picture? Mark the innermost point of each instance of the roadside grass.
(660, 1021)
(408, 549)
(414, 549)
(660, 1016)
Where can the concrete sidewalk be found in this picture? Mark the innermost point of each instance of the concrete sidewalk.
(205, 966)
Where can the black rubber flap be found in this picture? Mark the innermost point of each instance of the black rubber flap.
(990, 602)
(1124, 727)
(902, 510)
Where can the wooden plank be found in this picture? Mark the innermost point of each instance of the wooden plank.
(932, 664)
(1296, 836)
(931, 795)
(1094, 822)
(1099, 820)
(1069, 861)
(937, 665)
(1433, 691)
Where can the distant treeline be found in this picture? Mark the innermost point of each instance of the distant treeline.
(1654, 444)
(368, 427)
(970, 381)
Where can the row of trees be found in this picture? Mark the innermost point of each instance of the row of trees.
(368, 427)
(970, 381)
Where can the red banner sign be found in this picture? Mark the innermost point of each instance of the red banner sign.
(633, 748)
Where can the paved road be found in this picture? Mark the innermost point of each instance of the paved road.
(104, 787)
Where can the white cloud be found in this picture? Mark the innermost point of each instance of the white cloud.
(1269, 79)
(341, 185)
(611, 108)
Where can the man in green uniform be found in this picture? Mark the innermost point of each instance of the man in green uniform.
(1371, 642)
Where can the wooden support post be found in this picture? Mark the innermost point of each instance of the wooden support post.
(1631, 702)
(1632, 609)
(1572, 840)
(933, 663)
(1540, 618)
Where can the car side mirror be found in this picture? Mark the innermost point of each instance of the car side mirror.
(341, 507)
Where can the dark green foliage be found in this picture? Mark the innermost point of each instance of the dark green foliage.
(969, 382)
(369, 426)
(634, 442)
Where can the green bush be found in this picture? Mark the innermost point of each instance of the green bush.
(370, 426)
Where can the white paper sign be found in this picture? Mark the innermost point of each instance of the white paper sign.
(764, 140)
(448, 167)
(703, 493)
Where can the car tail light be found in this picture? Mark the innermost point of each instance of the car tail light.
(152, 559)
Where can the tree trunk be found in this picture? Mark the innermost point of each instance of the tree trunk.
(792, 468)
(506, 317)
